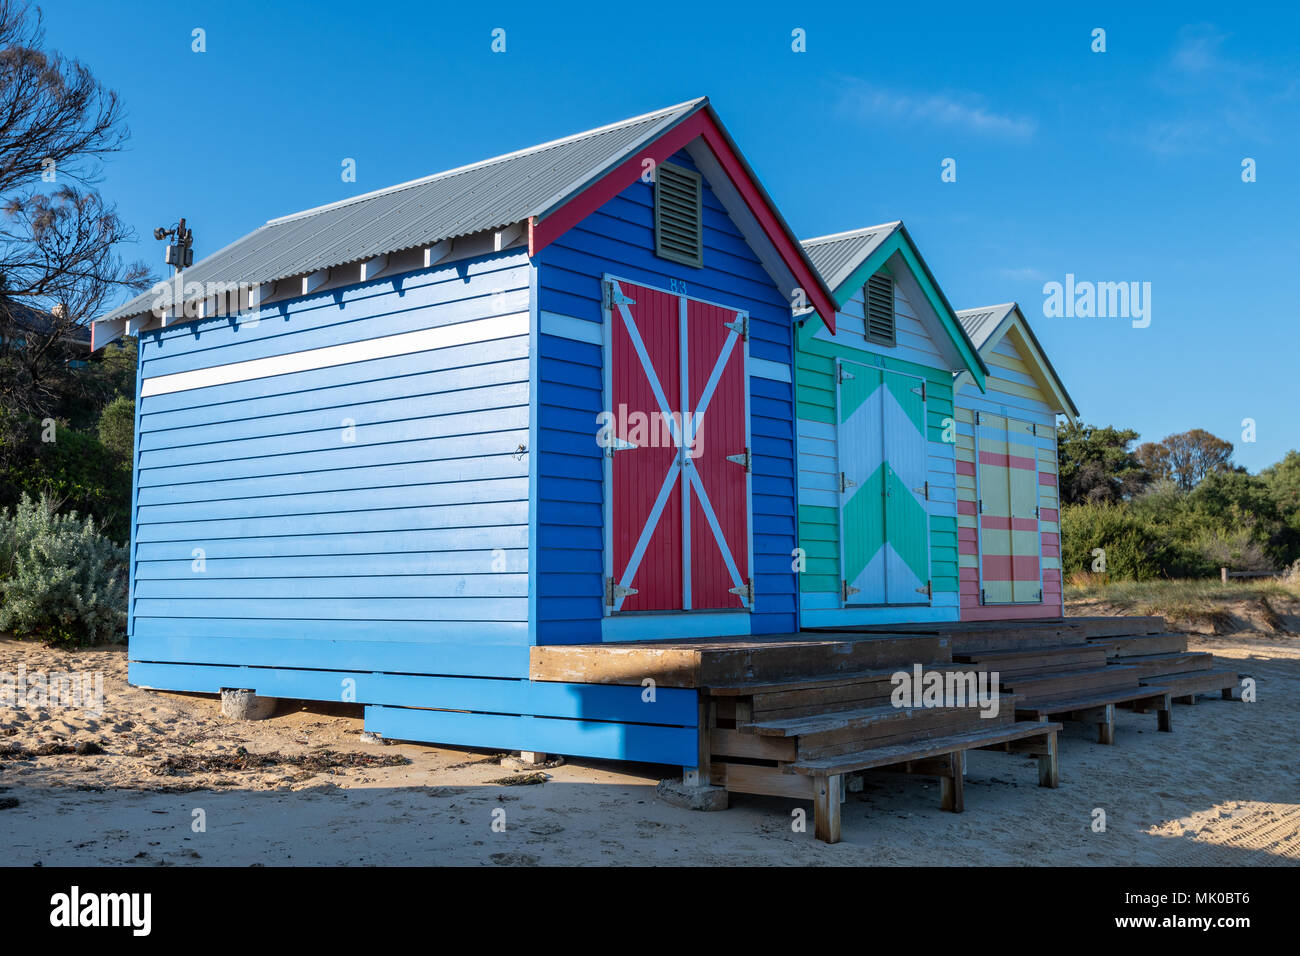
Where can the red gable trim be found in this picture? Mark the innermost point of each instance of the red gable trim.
(542, 233)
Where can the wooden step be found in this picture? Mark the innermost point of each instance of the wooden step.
(919, 750)
(1032, 660)
(1142, 645)
(1099, 708)
(1069, 682)
(726, 662)
(819, 694)
(1191, 683)
(1092, 627)
(1067, 704)
(1152, 665)
(1015, 637)
(864, 719)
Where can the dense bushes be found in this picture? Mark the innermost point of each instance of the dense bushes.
(60, 579)
(1132, 549)
(1231, 520)
(71, 467)
(117, 427)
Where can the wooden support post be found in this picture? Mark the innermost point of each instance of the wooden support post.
(826, 807)
(1188, 699)
(952, 788)
(1049, 771)
(701, 774)
(1164, 715)
(1227, 693)
(532, 757)
(1106, 727)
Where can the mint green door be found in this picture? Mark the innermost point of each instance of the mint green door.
(884, 519)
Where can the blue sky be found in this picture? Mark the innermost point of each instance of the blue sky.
(1117, 166)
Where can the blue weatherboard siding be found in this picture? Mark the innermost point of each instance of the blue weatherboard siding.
(594, 720)
(400, 528)
(365, 527)
(619, 239)
(380, 500)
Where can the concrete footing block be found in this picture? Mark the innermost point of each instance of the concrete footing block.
(679, 794)
(246, 705)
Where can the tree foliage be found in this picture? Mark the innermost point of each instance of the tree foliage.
(1097, 465)
(59, 265)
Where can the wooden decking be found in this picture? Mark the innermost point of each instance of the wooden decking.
(805, 715)
(724, 661)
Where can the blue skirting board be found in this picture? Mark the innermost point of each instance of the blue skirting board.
(608, 721)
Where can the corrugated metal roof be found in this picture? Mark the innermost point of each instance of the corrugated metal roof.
(486, 195)
(980, 324)
(837, 256)
(984, 323)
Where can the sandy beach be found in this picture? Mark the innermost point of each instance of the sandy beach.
(165, 779)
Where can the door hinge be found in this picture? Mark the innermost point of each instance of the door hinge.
(926, 591)
(846, 591)
(983, 598)
(614, 591)
(845, 375)
(977, 418)
(745, 592)
(920, 390)
(1040, 595)
(740, 326)
(923, 491)
(979, 506)
(619, 444)
(846, 482)
(1036, 514)
(612, 298)
(742, 459)
(1033, 428)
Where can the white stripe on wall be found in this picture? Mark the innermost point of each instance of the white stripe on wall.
(567, 327)
(762, 368)
(462, 333)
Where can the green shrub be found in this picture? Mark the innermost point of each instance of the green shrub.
(60, 579)
(1133, 552)
(117, 427)
(75, 470)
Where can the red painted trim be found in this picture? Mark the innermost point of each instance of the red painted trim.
(700, 124)
(1046, 478)
(966, 468)
(1050, 514)
(1002, 567)
(994, 523)
(965, 507)
(1010, 612)
(999, 460)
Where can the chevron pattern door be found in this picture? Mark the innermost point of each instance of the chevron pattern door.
(885, 524)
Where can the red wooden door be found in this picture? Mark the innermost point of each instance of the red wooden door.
(678, 456)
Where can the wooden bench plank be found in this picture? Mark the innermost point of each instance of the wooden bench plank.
(917, 750)
(1198, 682)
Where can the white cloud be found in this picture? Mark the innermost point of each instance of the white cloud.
(964, 111)
(1026, 274)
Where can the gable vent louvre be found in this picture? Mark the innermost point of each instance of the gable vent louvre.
(679, 215)
(879, 294)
